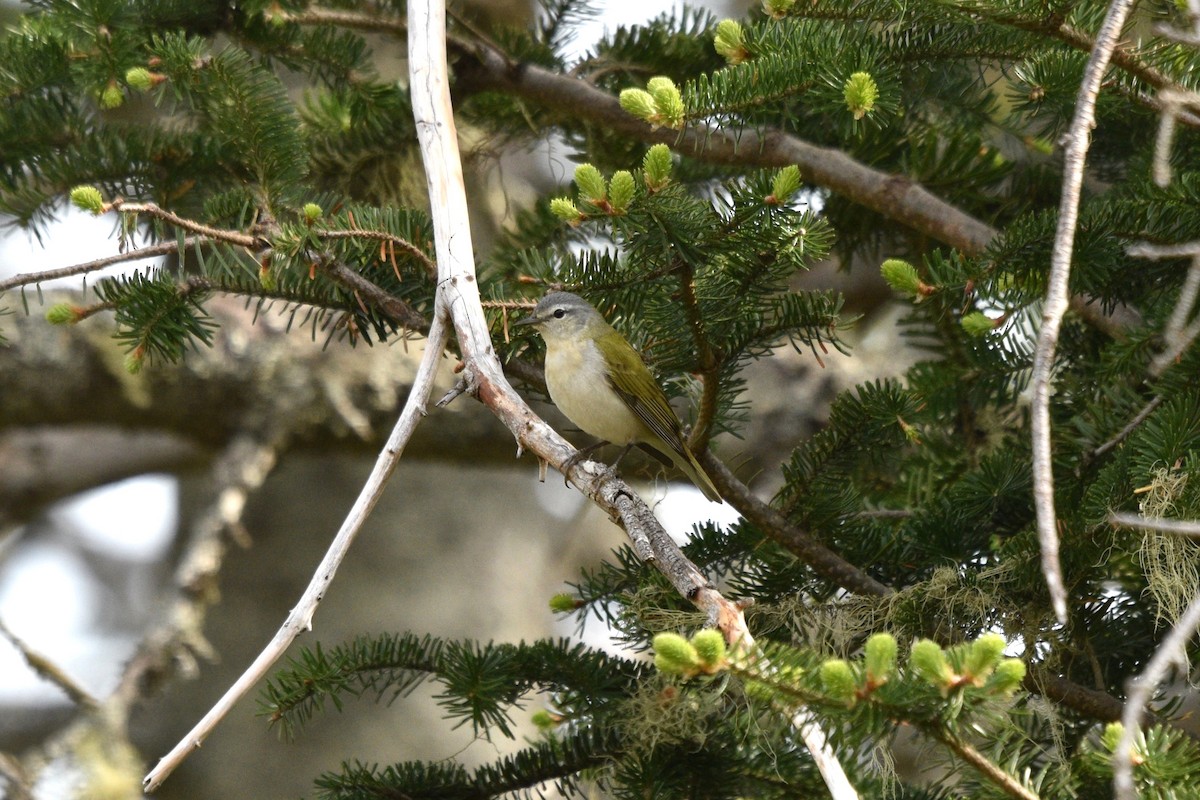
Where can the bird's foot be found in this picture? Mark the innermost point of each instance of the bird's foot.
(576, 457)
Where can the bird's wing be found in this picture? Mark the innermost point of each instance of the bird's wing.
(637, 387)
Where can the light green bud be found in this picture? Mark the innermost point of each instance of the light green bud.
(312, 212)
(777, 9)
(837, 679)
(112, 96)
(1007, 676)
(563, 603)
(591, 184)
(901, 276)
(786, 182)
(620, 191)
(928, 660)
(543, 720)
(674, 655)
(977, 324)
(143, 79)
(710, 647)
(639, 103)
(62, 314)
(983, 655)
(565, 210)
(656, 167)
(668, 100)
(266, 278)
(1111, 737)
(88, 198)
(135, 360)
(861, 93)
(880, 658)
(729, 42)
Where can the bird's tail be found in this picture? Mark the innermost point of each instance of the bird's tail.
(691, 467)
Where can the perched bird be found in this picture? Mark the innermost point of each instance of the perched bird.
(600, 383)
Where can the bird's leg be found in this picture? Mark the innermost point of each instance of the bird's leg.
(621, 455)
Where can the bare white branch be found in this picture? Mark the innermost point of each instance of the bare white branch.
(1170, 653)
(300, 618)
(1057, 299)
(1157, 252)
(1180, 526)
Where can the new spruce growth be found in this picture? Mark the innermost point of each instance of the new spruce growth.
(675, 655)
(730, 43)
(785, 184)
(660, 103)
(592, 187)
(656, 167)
(861, 92)
(88, 198)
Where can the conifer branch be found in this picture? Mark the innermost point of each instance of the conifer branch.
(1089, 702)
(1057, 298)
(1123, 434)
(1179, 526)
(709, 364)
(824, 562)
(31, 278)
(319, 15)
(992, 771)
(384, 236)
(207, 231)
(1053, 25)
(893, 196)
(395, 308)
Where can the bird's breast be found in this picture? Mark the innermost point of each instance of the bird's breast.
(577, 379)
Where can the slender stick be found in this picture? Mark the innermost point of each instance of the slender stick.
(1168, 654)
(1179, 526)
(30, 278)
(1057, 299)
(207, 231)
(300, 618)
(48, 670)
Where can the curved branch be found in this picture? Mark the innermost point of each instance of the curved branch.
(1171, 652)
(300, 618)
(1057, 299)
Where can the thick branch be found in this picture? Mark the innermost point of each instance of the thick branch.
(894, 196)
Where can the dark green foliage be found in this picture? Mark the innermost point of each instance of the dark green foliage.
(157, 316)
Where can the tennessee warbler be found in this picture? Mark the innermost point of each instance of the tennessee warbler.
(600, 383)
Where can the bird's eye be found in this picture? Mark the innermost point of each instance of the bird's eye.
(559, 313)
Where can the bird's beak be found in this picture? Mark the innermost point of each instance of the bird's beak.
(527, 321)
